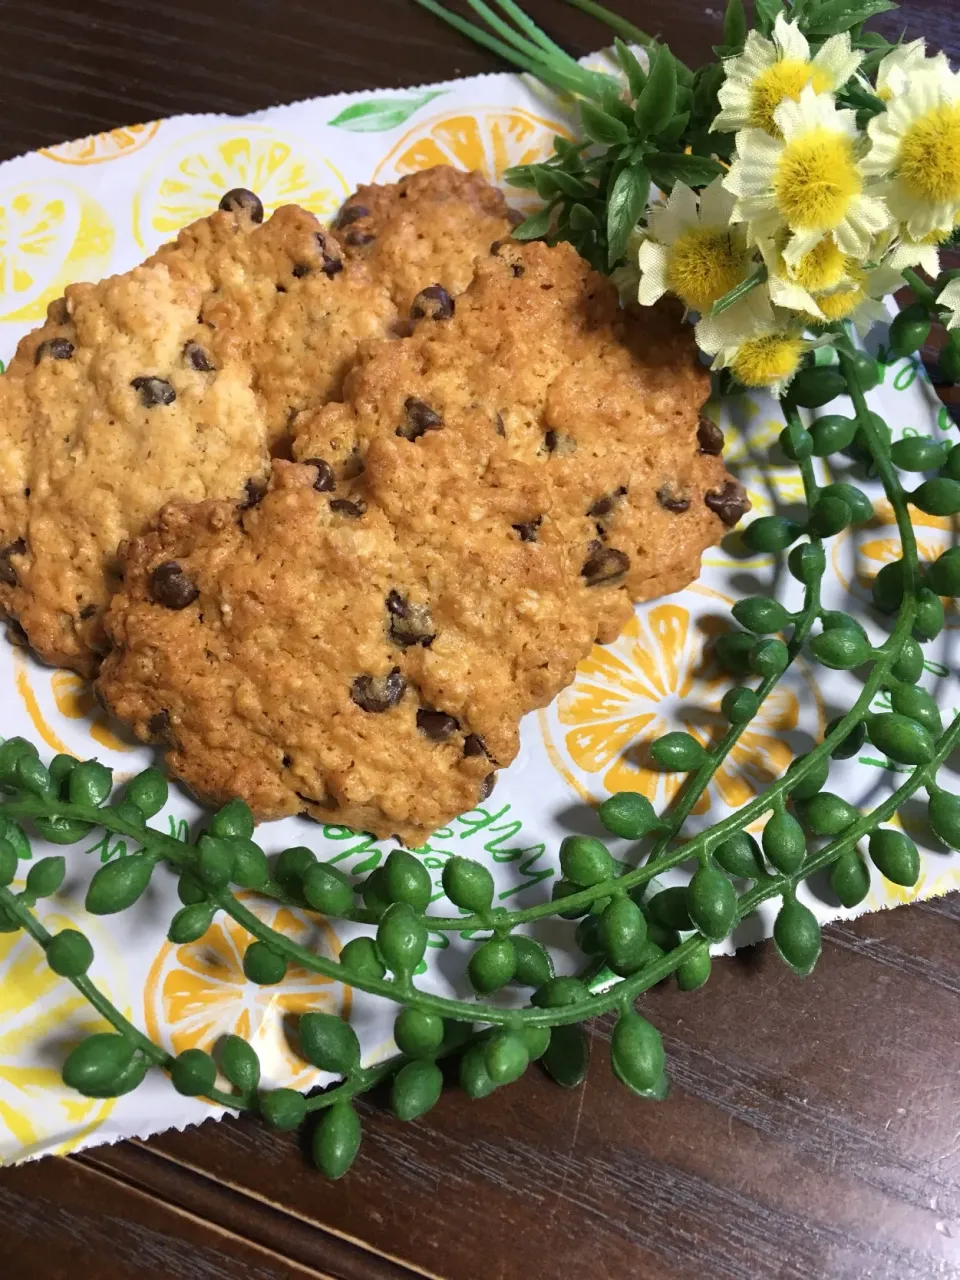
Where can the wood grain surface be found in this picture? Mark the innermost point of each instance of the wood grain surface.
(813, 1132)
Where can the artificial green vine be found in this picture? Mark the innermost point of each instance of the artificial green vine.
(623, 931)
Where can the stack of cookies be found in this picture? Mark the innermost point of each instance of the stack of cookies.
(327, 512)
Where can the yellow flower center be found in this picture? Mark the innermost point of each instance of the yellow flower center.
(842, 303)
(704, 264)
(785, 79)
(816, 180)
(760, 362)
(822, 268)
(929, 156)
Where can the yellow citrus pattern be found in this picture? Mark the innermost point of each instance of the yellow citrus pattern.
(657, 677)
(51, 234)
(41, 1018)
(74, 700)
(490, 139)
(190, 179)
(100, 147)
(197, 992)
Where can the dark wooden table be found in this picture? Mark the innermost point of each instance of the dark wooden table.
(814, 1127)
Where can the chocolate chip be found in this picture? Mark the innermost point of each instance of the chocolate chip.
(550, 441)
(154, 391)
(516, 267)
(420, 418)
(55, 349)
(16, 634)
(709, 436)
(671, 500)
(605, 565)
(345, 507)
(500, 428)
(436, 724)
(331, 265)
(281, 288)
(515, 217)
(434, 302)
(605, 504)
(474, 745)
(528, 530)
(240, 200)
(197, 358)
(357, 239)
(378, 693)
(287, 761)
(486, 786)
(87, 611)
(351, 213)
(730, 503)
(58, 311)
(556, 442)
(253, 493)
(8, 574)
(325, 480)
(299, 271)
(158, 726)
(171, 587)
(409, 624)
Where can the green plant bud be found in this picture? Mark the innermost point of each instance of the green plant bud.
(739, 855)
(492, 965)
(769, 657)
(622, 935)
(567, 1056)
(827, 814)
(585, 861)
(811, 782)
(239, 1063)
(374, 893)
(669, 909)
(918, 453)
(505, 1057)
(46, 876)
(283, 1108)
(129, 1078)
(96, 1063)
(695, 970)
(712, 903)
(60, 769)
(909, 330)
(832, 433)
(628, 814)
(418, 1034)
(771, 534)
(474, 1078)
(887, 587)
(69, 953)
(191, 923)
(916, 704)
(949, 362)
(900, 738)
(739, 705)
(850, 878)
(16, 837)
(861, 448)
(929, 619)
(796, 442)
(537, 1041)
(118, 884)
(807, 562)
(360, 959)
(559, 992)
(944, 814)
(263, 965)
(8, 862)
(783, 843)
(468, 884)
(732, 651)
(328, 890)
(943, 576)
(406, 879)
(90, 784)
(861, 507)
(401, 938)
(836, 620)
(128, 813)
(10, 753)
(865, 365)
(193, 1072)
(761, 615)
(292, 865)
(951, 465)
(637, 1055)
(938, 497)
(796, 934)
(909, 665)
(534, 966)
(561, 889)
(214, 861)
(233, 822)
(251, 869)
(329, 1043)
(60, 830)
(416, 1088)
(829, 515)
(148, 791)
(677, 753)
(33, 777)
(189, 889)
(852, 743)
(817, 385)
(841, 649)
(336, 1140)
(895, 856)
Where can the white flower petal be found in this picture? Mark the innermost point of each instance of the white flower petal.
(784, 293)
(745, 319)
(950, 297)
(652, 260)
(838, 60)
(790, 40)
(716, 204)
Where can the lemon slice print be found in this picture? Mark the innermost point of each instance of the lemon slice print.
(63, 710)
(189, 179)
(100, 147)
(51, 234)
(491, 139)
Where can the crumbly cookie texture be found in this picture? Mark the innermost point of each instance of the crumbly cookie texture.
(175, 380)
(427, 229)
(490, 498)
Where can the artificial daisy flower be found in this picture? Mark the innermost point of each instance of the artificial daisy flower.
(898, 251)
(915, 150)
(859, 300)
(808, 181)
(795, 286)
(902, 64)
(950, 297)
(769, 72)
(691, 250)
(761, 346)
